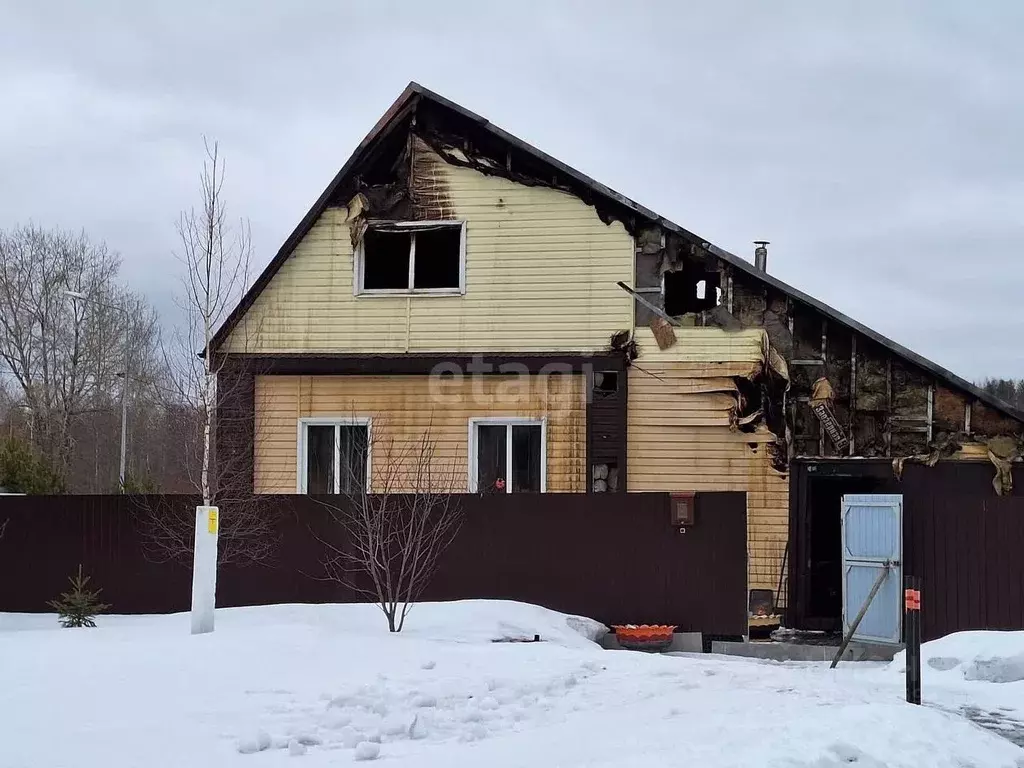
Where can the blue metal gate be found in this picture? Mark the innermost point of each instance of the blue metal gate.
(873, 546)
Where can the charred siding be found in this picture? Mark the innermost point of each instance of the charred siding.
(606, 427)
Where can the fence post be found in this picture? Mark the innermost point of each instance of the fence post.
(912, 636)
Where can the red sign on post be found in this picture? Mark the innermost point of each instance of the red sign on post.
(912, 599)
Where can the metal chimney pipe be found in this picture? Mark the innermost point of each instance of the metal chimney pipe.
(761, 255)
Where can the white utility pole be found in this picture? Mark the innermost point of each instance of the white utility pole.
(79, 296)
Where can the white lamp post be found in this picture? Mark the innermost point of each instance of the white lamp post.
(79, 296)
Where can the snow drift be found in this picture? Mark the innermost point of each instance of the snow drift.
(989, 656)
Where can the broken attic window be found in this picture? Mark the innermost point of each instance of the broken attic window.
(690, 291)
(606, 382)
(437, 258)
(386, 260)
(412, 257)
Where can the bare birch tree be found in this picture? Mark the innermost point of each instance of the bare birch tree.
(384, 541)
(215, 255)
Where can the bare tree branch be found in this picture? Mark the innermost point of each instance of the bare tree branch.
(384, 541)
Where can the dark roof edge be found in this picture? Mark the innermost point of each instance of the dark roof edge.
(415, 90)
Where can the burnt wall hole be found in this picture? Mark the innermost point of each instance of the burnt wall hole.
(691, 291)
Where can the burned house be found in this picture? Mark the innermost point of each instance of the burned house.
(448, 257)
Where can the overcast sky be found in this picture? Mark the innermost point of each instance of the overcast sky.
(878, 146)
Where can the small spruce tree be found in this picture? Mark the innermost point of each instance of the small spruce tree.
(23, 470)
(79, 606)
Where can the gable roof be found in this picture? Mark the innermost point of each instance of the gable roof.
(402, 108)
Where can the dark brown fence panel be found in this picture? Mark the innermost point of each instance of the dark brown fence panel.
(965, 542)
(47, 537)
(615, 557)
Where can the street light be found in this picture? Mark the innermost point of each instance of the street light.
(79, 296)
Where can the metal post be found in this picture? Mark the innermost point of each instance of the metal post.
(123, 309)
(124, 401)
(912, 636)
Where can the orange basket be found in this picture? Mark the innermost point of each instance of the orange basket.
(644, 637)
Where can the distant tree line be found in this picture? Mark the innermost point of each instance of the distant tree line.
(77, 345)
(72, 337)
(1010, 390)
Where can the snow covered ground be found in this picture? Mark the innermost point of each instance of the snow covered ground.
(327, 685)
(978, 674)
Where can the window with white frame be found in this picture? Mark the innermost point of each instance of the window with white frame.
(334, 456)
(412, 257)
(507, 455)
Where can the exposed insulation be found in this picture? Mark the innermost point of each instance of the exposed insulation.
(872, 374)
(749, 304)
(909, 392)
(949, 411)
(988, 421)
(806, 334)
(429, 188)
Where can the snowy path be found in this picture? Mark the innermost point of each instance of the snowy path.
(325, 685)
(999, 722)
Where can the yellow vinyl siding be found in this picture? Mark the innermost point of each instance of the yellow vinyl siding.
(726, 353)
(541, 273)
(402, 408)
(680, 437)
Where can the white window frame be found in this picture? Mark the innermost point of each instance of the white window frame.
(359, 262)
(302, 444)
(508, 421)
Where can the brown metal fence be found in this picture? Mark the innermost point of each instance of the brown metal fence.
(614, 557)
(966, 544)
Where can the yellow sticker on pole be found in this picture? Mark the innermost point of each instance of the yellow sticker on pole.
(211, 520)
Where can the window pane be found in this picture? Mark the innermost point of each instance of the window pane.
(385, 260)
(352, 446)
(490, 458)
(438, 258)
(320, 459)
(526, 458)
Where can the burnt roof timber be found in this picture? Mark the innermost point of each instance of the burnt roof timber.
(407, 101)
